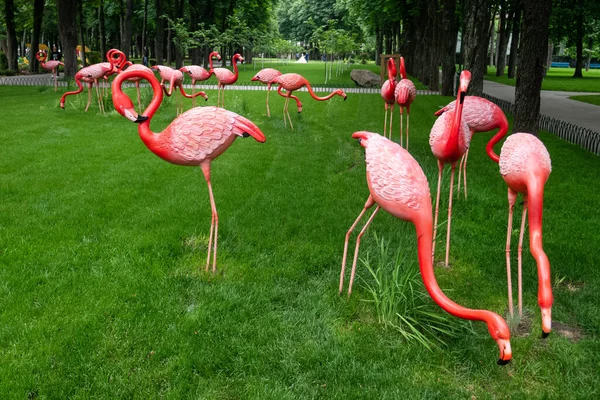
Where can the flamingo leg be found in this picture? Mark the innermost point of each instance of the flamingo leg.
(512, 198)
(460, 169)
(214, 224)
(287, 111)
(89, 96)
(362, 232)
(391, 120)
(449, 214)
(368, 205)
(385, 121)
(519, 259)
(465, 171)
(437, 207)
(98, 94)
(223, 96)
(268, 91)
(193, 94)
(407, 124)
(401, 124)
(137, 87)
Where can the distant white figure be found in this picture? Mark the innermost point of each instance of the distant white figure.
(302, 60)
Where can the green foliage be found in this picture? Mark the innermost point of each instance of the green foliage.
(401, 301)
(590, 99)
(3, 61)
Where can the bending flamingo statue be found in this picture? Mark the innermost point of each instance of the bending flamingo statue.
(449, 140)
(175, 78)
(525, 167)
(291, 82)
(198, 74)
(481, 115)
(51, 65)
(122, 60)
(405, 95)
(399, 186)
(194, 138)
(388, 94)
(91, 75)
(266, 76)
(226, 77)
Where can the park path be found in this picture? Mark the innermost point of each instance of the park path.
(554, 104)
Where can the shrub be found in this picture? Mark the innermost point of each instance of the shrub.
(93, 57)
(3, 61)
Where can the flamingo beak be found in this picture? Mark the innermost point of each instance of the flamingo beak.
(254, 79)
(546, 322)
(505, 351)
(140, 119)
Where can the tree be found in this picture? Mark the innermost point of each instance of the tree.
(38, 15)
(67, 28)
(476, 37)
(127, 28)
(9, 18)
(514, 44)
(450, 32)
(536, 17)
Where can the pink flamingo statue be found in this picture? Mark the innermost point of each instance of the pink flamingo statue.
(481, 115)
(226, 77)
(51, 65)
(175, 78)
(198, 74)
(525, 167)
(398, 185)
(122, 60)
(449, 140)
(405, 95)
(388, 94)
(267, 75)
(91, 75)
(194, 138)
(291, 82)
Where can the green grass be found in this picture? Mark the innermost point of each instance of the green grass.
(559, 79)
(590, 99)
(100, 243)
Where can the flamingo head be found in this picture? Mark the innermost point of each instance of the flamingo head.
(465, 79)
(237, 57)
(256, 77)
(341, 93)
(392, 71)
(363, 137)
(546, 321)
(185, 69)
(124, 106)
(155, 68)
(215, 54)
(41, 56)
(117, 59)
(501, 334)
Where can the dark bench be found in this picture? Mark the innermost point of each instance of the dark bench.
(556, 64)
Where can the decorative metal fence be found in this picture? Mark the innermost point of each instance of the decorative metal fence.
(586, 138)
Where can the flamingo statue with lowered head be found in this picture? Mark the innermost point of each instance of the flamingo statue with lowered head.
(406, 92)
(175, 78)
(388, 94)
(449, 140)
(481, 115)
(198, 74)
(226, 77)
(91, 75)
(525, 166)
(194, 138)
(131, 67)
(291, 82)
(266, 76)
(398, 185)
(51, 65)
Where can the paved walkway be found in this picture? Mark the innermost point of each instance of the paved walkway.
(554, 104)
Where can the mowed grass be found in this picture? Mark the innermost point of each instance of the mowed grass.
(559, 79)
(102, 246)
(590, 99)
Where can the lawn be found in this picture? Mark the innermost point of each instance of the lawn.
(591, 99)
(101, 295)
(560, 79)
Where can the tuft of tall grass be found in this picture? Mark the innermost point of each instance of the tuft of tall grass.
(402, 302)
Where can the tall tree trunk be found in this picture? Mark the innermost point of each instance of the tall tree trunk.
(144, 23)
(534, 43)
(179, 11)
(378, 44)
(81, 32)
(160, 33)
(477, 20)
(11, 34)
(503, 31)
(514, 44)
(450, 32)
(67, 29)
(127, 28)
(102, 29)
(38, 15)
(579, 39)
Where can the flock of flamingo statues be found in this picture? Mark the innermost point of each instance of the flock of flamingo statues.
(395, 179)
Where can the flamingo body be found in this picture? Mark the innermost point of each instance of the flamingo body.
(524, 157)
(225, 77)
(404, 93)
(51, 65)
(439, 138)
(175, 78)
(267, 76)
(196, 72)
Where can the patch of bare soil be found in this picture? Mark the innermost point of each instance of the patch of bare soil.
(573, 333)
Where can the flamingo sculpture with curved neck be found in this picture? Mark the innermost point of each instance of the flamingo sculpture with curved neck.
(481, 115)
(266, 76)
(51, 65)
(198, 74)
(388, 94)
(291, 82)
(525, 166)
(175, 78)
(122, 60)
(91, 75)
(398, 185)
(449, 140)
(194, 138)
(406, 92)
(226, 77)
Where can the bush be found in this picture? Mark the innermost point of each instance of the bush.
(93, 57)
(3, 61)
(7, 72)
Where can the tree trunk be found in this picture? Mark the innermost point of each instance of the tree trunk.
(514, 44)
(127, 28)
(450, 32)
(38, 15)
(160, 33)
(67, 29)
(102, 29)
(11, 54)
(378, 44)
(179, 11)
(579, 39)
(504, 29)
(536, 18)
(477, 19)
(144, 24)
(81, 32)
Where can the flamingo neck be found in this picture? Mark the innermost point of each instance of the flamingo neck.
(452, 141)
(314, 95)
(79, 90)
(146, 134)
(402, 69)
(235, 69)
(210, 58)
(497, 137)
